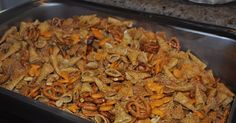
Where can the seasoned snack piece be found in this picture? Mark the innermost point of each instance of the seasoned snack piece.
(138, 108)
(150, 47)
(106, 70)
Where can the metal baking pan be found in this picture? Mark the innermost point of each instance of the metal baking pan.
(215, 45)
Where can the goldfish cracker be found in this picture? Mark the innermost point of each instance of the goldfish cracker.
(156, 87)
(73, 79)
(34, 70)
(158, 112)
(157, 103)
(103, 41)
(199, 114)
(114, 65)
(97, 33)
(100, 56)
(46, 34)
(64, 75)
(75, 38)
(177, 73)
(73, 108)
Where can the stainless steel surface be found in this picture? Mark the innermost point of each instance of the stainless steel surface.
(5, 4)
(212, 1)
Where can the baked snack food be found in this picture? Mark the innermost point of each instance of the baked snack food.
(109, 71)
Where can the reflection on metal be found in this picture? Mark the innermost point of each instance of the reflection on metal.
(3, 11)
(6, 4)
(212, 1)
(203, 33)
(52, 4)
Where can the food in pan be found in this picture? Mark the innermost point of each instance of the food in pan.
(107, 70)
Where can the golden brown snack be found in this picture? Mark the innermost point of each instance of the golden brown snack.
(106, 70)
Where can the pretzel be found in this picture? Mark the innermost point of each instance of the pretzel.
(139, 108)
(174, 42)
(54, 92)
(151, 47)
(56, 22)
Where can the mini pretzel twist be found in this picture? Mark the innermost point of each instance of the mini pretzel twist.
(31, 33)
(150, 47)
(57, 22)
(138, 108)
(54, 92)
(174, 42)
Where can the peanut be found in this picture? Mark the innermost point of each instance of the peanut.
(99, 101)
(88, 99)
(73, 108)
(85, 94)
(109, 102)
(96, 95)
(105, 108)
(88, 106)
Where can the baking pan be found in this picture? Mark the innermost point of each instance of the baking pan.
(215, 45)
